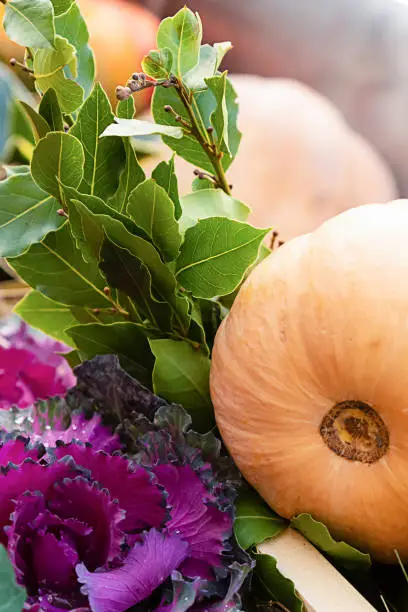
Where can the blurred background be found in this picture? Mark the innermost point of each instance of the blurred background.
(322, 86)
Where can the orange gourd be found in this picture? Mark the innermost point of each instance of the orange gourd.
(309, 378)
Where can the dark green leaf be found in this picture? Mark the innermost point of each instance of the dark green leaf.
(181, 35)
(86, 69)
(341, 553)
(127, 273)
(49, 72)
(27, 214)
(136, 127)
(57, 159)
(158, 63)
(202, 183)
(56, 268)
(90, 231)
(50, 317)
(165, 176)
(13, 596)
(153, 210)
(210, 203)
(209, 61)
(181, 375)
(270, 585)
(126, 340)
(216, 254)
(219, 117)
(61, 6)
(126, 109)
(39, 125)
(30, 23)
(50, 110)
(104, 159)
(132, 175)
(255, 521)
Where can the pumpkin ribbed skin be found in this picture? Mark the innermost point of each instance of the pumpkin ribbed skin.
(323, 320)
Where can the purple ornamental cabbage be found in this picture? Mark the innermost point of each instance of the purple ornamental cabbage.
(30, 367)
(89, 528)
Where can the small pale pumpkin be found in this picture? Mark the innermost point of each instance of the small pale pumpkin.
(309, 378)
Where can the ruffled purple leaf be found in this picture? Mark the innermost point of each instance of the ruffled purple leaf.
(183, 596)
(147, 566)
(132, 485)
(15, 448)
(195, 517)
(82, 429)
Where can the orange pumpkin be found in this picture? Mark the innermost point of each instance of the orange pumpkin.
(299, 163)
(309, 378)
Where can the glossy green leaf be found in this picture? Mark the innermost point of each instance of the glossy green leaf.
(49, 72)
(50, 317)
(50, 110)
(270, 585)
(71, 25)
(13, 122)
(204, 105)
(56, 268)
(131, 176)
(129, 275)
(181, 375)
(165, 176)
(126, 109)
(340, 553)
(61, 6)
(27, 214)
(216, 254)
(219, 117)
(209, 61)
(210, 203)
(57, 159)
(158, 63)
(104, 158)
(30, 23)
(255, 521)
(13, 596)
(90, 231)
(152, 209)
(137, 127)
(39, 125)
(126, 340)
(181, 35)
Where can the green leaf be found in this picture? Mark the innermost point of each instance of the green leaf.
(153, 210)
(204, 105)
(49, 72)
(255, 521)
(58, 158)
(219, 118)
(181, 375)
(50, 110)
(61, 6)
(127, 273)
(136, 127)
(91, 229)
(208, 63)
(165, 176)
(124, 339)
(39, 125)
(270, 585)
(104, 159)
(216, 254)
(210, 203)
(71, 25)
(158, 63)
(181, 35)
(50, 317)
(16, 170)
(56, 268)
(27, 214)
(131, 176)
(126, 109)
(13, 596)
(30, 23)
(341, 554)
